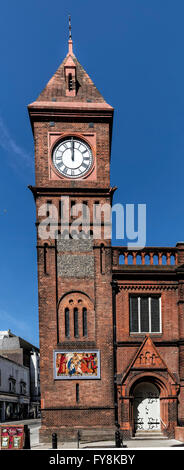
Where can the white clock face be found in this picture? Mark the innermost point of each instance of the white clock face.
(72, 158)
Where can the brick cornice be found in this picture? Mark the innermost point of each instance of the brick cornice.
(72, 190)
(149, 287)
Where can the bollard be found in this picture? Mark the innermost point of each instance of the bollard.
(78, 439)
(119, 440)
(27, 444)
(54, 441)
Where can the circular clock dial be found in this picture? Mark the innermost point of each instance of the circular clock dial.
(72, 158)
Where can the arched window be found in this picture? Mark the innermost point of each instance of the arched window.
(76, 324)
(67, 322)
(76, 317)
(84, 319)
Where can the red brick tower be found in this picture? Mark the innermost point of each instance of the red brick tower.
(72, 126)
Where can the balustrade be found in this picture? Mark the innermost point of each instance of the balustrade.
(146, 257)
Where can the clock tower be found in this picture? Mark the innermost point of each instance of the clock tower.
(72, 128)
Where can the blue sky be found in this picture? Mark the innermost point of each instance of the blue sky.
(133, 51)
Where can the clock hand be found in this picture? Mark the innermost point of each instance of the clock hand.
(72, 150)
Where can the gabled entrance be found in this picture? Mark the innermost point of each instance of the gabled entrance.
(148, 394)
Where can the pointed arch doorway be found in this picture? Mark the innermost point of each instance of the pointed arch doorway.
(146, 407)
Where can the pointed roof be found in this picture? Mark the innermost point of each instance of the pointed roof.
(86, 91)
(57, 100)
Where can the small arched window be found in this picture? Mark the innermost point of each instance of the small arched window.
(84, 318)
(76, 325)
(67, 322)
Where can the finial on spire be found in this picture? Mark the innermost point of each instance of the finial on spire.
(70, 28)
(70, 42)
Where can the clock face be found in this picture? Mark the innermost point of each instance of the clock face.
(72, 158)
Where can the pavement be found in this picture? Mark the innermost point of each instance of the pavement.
(131, 444)
(134, 443)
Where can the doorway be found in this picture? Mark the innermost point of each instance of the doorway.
(146, 407)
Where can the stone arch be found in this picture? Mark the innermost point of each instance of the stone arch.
(74, 292)
(161, 383)
(76, 317)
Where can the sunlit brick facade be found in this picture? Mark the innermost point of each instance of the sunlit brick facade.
(123, 308)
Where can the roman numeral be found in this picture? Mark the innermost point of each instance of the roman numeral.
(58, 158)
(81, 147)
(78, 171)
(61, 166)
(84, 165)
(65, 170)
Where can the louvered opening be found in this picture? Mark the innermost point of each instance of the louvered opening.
(70, 82)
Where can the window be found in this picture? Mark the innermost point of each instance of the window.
(85, 207)
(145, 314)
(76, 317)
(12, 385)
(72, 211)
(22, 388)
(61, 209)
(76, 326)
(49, 202)
(67, 322)
(84, 315)
(96, 209)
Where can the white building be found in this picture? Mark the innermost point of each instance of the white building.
(22, 353)
(14, 390)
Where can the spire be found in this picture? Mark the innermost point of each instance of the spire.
(70, 42)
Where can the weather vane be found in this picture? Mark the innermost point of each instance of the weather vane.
(70, 28)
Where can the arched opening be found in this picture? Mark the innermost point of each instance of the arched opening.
(146, 407)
